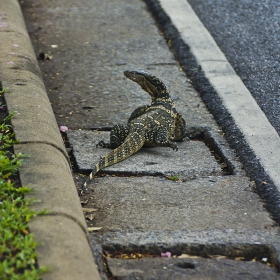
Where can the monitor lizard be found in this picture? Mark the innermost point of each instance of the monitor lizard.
(158, 124)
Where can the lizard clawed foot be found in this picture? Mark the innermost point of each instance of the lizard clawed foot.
(168, 144)
(174, 147)
(103, 144)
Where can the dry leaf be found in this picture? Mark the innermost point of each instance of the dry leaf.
(188, 256)
(88, 210)
(91, 229)
(63, 128)
(217, 257)
(166, 255)
(84, 202)
(90, 217)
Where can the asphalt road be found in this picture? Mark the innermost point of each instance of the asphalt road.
(248, 33)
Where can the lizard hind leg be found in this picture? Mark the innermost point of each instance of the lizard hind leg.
(117, 136)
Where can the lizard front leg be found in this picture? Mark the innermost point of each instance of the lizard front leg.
(180, 128)
(138, 112)
(117, 137)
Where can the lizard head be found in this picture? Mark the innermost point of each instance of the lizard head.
(148, 82)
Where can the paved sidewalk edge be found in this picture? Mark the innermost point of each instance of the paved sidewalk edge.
(222, 90)
(62, 236)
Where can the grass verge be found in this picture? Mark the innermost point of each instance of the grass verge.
(17, 244)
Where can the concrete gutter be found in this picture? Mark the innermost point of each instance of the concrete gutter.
(246, 127)
(257, 130)
(61, 234)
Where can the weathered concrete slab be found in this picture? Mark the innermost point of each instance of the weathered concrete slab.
(151, 204)
(84, 78)
(188, 268)
(193, 159)
(202, 217)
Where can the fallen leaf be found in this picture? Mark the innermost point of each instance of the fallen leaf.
(63, 128)
(25, 231)
(83, 202)
(166, 255)
(218, 257)
(91, 229)
(188, 256)
(90, 216)
(88, 210)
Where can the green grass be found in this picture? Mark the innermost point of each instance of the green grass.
(173, 177)
(17, 244)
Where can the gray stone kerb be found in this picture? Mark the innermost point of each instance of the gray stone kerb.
(62, 235)
(257, 130)
(249, 118)
(246, 128)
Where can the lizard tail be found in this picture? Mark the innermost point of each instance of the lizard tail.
(133, 143)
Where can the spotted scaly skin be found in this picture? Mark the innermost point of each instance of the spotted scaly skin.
(158, 124)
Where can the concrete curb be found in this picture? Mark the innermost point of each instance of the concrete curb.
(228, 100)
(62, 235)
(254, 125)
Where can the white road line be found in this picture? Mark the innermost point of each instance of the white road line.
(250, 119)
